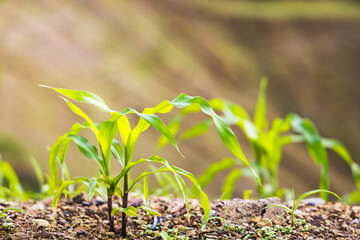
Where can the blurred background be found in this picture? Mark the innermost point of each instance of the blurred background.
(138, 53)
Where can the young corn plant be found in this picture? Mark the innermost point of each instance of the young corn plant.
(122, 151)
(267, 142)
(296, 203)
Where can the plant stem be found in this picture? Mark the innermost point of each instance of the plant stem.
(111, 218)
(124, 205)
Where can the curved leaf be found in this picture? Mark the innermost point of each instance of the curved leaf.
(304, 195)
(315, 147)
(117, 152)
(225, 132)
(82, 96)
(13, 209)
(89, 151)
(79, 112)
(61, 189)
(108, 130)
(260, 111)
(197, 130)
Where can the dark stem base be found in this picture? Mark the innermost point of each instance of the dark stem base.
(111, 218)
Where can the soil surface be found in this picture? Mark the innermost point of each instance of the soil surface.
(243, 219)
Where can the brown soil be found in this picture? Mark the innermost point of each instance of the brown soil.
(79, 219)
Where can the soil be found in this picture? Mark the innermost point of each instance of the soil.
(244, 219)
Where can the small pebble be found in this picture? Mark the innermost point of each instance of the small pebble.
(355, 221)
(313, 201)
(66, 214)
(86, 204)
(40, 223)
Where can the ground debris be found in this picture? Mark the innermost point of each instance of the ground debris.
(235, 219)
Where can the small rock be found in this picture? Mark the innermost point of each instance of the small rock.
(82, 232)
(20, 235)
(38, 206)
(313, 201)
(355, 221)
(99, 201)
(66, 214)
(50, 217)
(86, 203)
(264, 222)
(40, 223)
(76, 222)
(110, 234)
(61, 221)
(255, 219)
(355, 212)
(242, 210)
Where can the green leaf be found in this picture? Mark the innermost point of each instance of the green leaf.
(117, 152)
(164, 235)
(304, 195)
(197, 130)
(315, 147)
(156, 122)
(108, 130)
(247, 194)
(10, 175)
(38, 171)
(355, 168)
(61, 189)
(130, 211)
(79, 112)
(260, 111)
(13, 209)
(150, 211)
(82, 96)
(338, 147)
(279, 205)
(92, 186)
(146, 191)
(89, 151)
(229, 184)
(225, 132)
(173, 126)
(124, 128)
(148, 119)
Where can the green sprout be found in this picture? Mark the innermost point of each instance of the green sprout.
(296, 203)
(122, 151)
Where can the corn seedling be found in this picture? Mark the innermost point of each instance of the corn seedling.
(122, 151)
(296, 203)
(267, 142)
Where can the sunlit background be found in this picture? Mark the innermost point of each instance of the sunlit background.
(138, 53)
